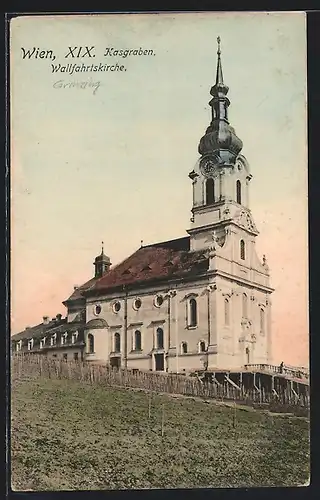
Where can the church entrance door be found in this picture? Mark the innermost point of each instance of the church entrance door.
(115, 362)
(159, 362)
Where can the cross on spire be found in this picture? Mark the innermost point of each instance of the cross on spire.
(218, 40)
(102, 247)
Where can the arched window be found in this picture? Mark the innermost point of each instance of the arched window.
(137, 340)
(193, 312)
(117, 342)
(242, 250)
(90, 343)
(202, 346)
(238, 187)
(226, 312)
(184, 347)
(209, 191)
(262, 322)
(244, 305)
(159, 338)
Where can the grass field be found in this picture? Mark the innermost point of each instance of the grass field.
(67, 435)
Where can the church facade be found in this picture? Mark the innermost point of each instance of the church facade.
(193, 303)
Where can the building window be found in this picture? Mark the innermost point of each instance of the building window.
(18, 346)
(117, 342)
(116, 307)
(238, 188)
(202, 346)
(158, 300)
(90, 343)
(262, 321)
(65, 357)
(242, 250)
(159, 340)
(30, 344)
(192, 313)
(137, 304)
(64, 339)
(54, 339)
(42, 343)
(74, 337)
(75, 356)
(97, 310)
(137, 340)
(226, 312)
(184, 347)
(209, 191)
(244, 305)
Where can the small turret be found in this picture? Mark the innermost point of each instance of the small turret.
(102, 264)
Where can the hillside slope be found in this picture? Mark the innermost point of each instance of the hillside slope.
(68, 435)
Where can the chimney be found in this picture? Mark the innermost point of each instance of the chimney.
(45, 320)
(58, 317)
(75, 287)
(27, 327)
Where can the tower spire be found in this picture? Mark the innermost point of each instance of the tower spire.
(219, 74)
(220, 90)
(220, 140)
(101, 247)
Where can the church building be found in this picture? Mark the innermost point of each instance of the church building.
(193, 303)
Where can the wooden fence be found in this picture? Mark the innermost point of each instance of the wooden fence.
(24, 365)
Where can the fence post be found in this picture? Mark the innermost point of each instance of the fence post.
(162, 421)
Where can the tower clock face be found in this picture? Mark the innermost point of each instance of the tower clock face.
(209, 166)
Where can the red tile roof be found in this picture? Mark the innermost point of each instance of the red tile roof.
(165, 260)
(77, 294)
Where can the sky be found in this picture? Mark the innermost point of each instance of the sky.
(110, 161)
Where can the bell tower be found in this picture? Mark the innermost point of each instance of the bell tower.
(221, 175)
(222, 225)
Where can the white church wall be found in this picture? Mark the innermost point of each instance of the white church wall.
(140, 363)
(101, 345)
(186, 332)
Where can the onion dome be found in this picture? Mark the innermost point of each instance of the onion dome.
(220, 141)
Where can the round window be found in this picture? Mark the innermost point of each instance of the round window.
(97, 310)
(158, 301)
(137, 304)
(116, 307)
